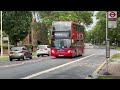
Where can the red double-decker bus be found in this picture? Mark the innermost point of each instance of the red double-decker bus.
(67, 39)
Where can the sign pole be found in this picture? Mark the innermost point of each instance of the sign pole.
(106, 25)
(111, 17)
(8, 46)
(107, 43)
(1, 36)
(106, 38)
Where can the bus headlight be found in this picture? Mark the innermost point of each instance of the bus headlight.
(53, 51)
(69, 51)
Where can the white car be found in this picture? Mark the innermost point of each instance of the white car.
(43, 50)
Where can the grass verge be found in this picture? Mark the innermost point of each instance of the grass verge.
(2, 58)
(115, 56)
(105, 77)
(34, 54)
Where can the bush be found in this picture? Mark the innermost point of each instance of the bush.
(29, 45)
(6, 46)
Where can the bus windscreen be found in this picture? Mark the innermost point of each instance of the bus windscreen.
(61, 43)
(61, 26)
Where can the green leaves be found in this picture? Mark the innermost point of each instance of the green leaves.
(99, 30)
(16, 24)
(49, 16)
(76, 16)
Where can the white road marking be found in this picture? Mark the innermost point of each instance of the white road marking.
(54, 68)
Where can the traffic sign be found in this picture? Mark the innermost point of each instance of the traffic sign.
(112, 15)
(112, 24)
(5, 38)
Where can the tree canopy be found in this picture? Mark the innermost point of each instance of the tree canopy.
(98, 32)
(16, 24)
(47, 17)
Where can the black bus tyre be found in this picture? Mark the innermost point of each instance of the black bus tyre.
(80, 54)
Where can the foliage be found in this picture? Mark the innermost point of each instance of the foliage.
(105, 77)
(98, 32)
(16, 24)
(48, 17)
(116, 56)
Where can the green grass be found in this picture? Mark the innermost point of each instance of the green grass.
(118, 48)
(115, 56)
(34, 54)
(105, 77)
(2, 58)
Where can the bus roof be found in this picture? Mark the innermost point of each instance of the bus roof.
(68, 21)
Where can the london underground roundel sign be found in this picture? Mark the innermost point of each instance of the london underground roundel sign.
(112, 14)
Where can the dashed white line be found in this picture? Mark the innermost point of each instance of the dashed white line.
(54, 68)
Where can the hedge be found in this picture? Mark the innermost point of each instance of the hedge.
(6, 46)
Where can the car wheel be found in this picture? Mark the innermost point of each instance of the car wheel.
(38, 55)
(31, 57)
(19, 59)
(48, 55)
(11, 59)
(24, 57)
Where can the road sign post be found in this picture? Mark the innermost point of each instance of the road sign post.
(1, 37)
(111, 17)
(108, 48)
(7, 39)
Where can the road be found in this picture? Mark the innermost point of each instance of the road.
(48, 67)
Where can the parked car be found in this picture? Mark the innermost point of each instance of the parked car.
(20, 52)
(43, 50)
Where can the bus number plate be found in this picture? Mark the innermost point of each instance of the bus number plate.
(61, 55)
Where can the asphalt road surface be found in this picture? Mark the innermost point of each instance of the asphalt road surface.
(48, 67)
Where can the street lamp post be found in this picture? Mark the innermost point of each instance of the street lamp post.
(1, 36)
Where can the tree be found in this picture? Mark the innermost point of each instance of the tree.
(49, 16)
(16, 24)
(99, 30)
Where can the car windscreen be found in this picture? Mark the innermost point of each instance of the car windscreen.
(42, 46)
(16, 48)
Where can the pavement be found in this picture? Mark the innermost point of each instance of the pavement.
(112, 69)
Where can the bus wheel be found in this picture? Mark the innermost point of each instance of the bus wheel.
(56, 56)
(80, 54)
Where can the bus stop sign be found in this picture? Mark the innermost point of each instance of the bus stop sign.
(112, 15)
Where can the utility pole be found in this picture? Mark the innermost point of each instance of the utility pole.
(1, 36)
(33, 21)
(115, 43)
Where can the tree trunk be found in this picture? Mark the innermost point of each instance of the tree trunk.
(15, 43)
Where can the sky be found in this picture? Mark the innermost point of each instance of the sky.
(94, 21)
